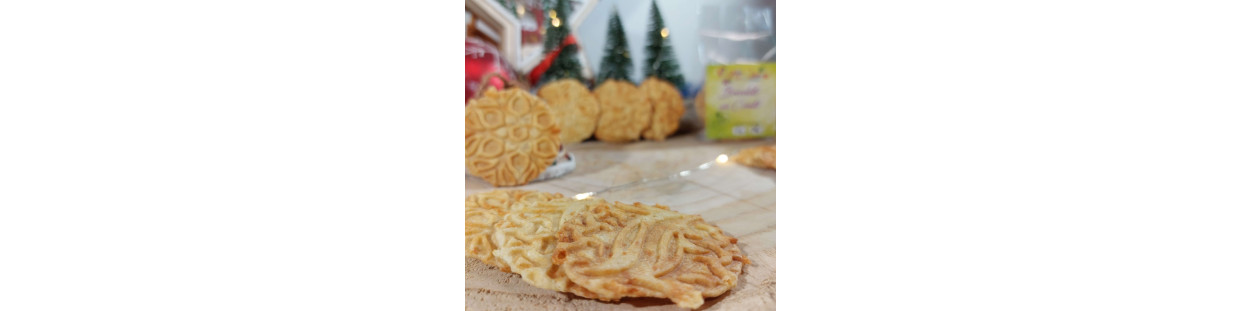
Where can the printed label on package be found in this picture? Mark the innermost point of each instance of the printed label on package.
(740, 101)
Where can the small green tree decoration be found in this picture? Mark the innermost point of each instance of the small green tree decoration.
(617, 64)
(661, 62)
(566, 64)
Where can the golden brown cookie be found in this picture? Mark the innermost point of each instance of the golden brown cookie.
(624, 112)
(636, 250)
(575, 108)
(667, 108)
(511, 137)
(485, 210)
(526, 238)
(761, 156)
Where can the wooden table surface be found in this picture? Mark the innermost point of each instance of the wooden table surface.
(740, 200)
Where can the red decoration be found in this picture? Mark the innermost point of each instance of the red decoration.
(482, 59)
(548, 58)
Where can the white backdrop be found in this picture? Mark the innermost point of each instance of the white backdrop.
(681, 17)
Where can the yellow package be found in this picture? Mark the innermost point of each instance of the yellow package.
(740, 101)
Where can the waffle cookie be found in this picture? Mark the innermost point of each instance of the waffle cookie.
(511, 137)
(635, 250)
(667, 108)
(575, 108)
(526, 238)
(484, 210)
(761, 157)
(624, 112)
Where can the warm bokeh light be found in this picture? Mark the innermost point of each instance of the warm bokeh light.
(722, 159)
(664, 33)
(583, 196)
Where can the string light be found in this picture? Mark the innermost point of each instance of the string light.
(720, 159)
(664, 33)
(556, 22)
(521, 9)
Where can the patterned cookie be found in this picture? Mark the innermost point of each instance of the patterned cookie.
(624, 112)
(761, 157)
(635, 250)
(575, 108)
(526, 238)
(667, 108)
(484, 211)
(511, 137)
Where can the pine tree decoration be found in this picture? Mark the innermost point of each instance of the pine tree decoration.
(661, 62)
(566, 64)
(555, 20)
(617, 64)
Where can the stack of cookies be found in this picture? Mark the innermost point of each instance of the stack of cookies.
(512, 136)
(616, 111)
(601, 250)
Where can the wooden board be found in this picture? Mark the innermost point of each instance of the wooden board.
(740, 200)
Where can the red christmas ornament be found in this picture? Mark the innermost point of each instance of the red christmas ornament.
(482, 59)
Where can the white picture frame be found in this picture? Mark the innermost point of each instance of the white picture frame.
(508, 31)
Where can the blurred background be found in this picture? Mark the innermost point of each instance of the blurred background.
(701, 32)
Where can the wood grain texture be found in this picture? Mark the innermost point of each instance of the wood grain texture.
(740, 200)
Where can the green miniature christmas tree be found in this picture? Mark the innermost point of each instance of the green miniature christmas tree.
(566, 64)
(661, 62)
(617, 64)
(555, 20)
